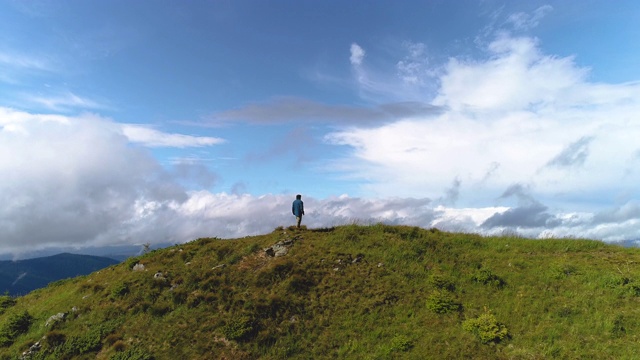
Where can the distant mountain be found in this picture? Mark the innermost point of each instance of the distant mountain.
(118, 252)
(22, 276)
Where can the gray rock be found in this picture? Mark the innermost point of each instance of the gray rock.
(55, 318)
(138, 267)
(281, 248)
(32, 350)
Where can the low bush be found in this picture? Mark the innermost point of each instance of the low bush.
(443, 302)
(54, 338)
(119, 346)
(400, 343)
(240, 328)
(487, 328)
(442, 283)
(6, 302)
(16, 324)
(486, 277)
(119, 290)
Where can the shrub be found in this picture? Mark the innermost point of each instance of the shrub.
(240, 328)
(401, 343)
(119, 346)
(119, 290)
(54, 338)
(622, 284)
(633, 289)
(487, 328)
(442, 302)
(6, 302)
(486, 277)
(90, 341)
(131, 262)
(17, 324)
(442, 283)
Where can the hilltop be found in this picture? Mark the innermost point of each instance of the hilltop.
(349, 292)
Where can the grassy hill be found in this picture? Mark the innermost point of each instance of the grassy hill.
(350, 292)
(22, 276)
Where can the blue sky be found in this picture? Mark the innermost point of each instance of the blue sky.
(158, 121)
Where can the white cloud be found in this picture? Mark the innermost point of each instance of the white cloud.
(524, 21)
(154, 138)
(76, 181)
(517, 117)
(66, 179)
(409, 82)
(19, 61)
(14, 67)
(413, 68)
(63, 102)
(516, 76)
(357, 54)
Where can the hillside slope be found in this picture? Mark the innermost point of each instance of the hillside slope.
(350, 292)
(22, 276)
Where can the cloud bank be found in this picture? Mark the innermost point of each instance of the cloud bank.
(78, 181)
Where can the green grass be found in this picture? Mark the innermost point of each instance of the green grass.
(349, 292)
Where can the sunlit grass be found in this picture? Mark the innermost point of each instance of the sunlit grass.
(353, 292)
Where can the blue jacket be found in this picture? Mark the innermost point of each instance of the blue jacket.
(297, 207)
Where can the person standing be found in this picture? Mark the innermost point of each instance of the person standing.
(298, 209)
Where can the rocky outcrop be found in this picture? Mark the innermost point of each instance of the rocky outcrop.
(55, 318)
(281, 248)
(27, 354)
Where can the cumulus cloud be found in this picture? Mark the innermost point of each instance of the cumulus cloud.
(517, 117)
(79, 182)
(516, 76)
(503, 120)
(66, 179)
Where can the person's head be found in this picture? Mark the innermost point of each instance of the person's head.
(298, 196)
